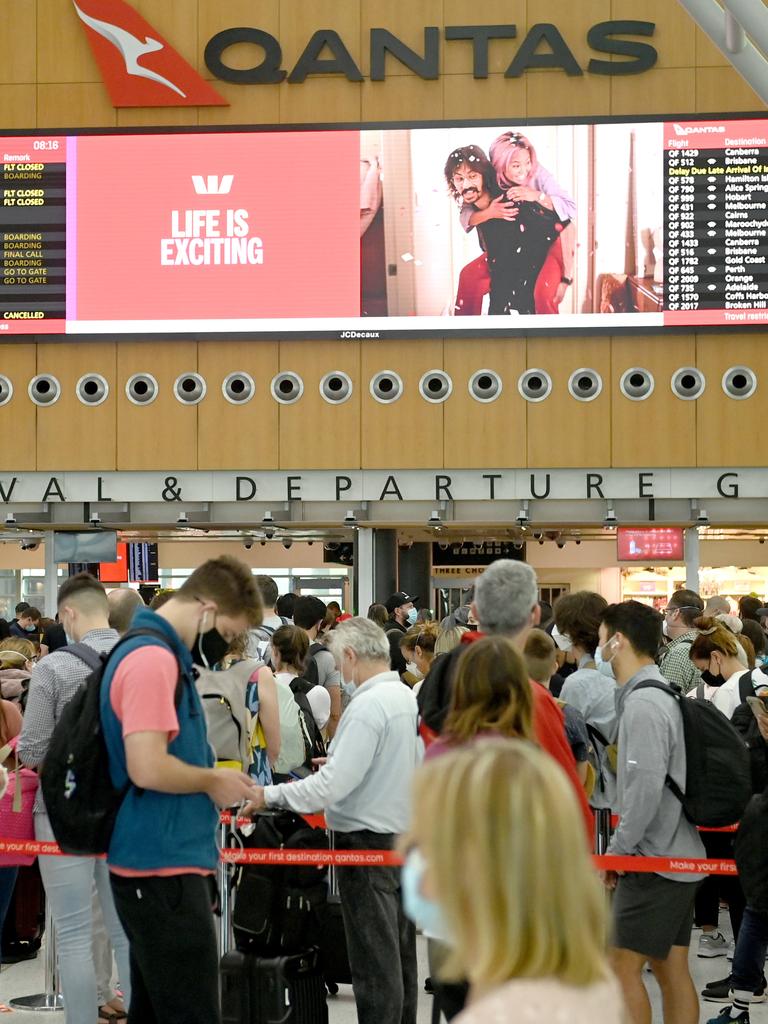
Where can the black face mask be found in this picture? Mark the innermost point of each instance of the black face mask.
(711, 679)
(209, 648)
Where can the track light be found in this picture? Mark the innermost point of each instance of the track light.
(350, 519)
(702, 519)
(610, 521)
(95, 519)
(182, 519)
(434, 519)
(267, 519)
(10, 519)
(522, 516)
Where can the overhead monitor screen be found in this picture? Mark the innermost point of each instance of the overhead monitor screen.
(605, 226)
(652, 544)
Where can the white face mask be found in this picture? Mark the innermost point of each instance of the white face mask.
(665, 628)
(563, 641)
(413, 668)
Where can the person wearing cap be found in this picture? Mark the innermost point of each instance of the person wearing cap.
(402, 614)
(684, 607)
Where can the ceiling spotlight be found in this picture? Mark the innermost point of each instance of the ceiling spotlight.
(95, 519)
(762, 540)
(561, 542)
(182, 518)
(269, 533)
(263, 543)
(287, 543)
(434, 519)
(541, 539)
(537, 534)
(247, 543)
(610, 521)
(517, 545)
(10, 519)
(267, 518)
(522, 515)
(702, 519)
(350, 519)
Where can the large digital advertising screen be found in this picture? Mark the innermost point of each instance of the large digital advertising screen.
(387, 231)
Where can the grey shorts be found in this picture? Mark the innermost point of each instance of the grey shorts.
(652, 914)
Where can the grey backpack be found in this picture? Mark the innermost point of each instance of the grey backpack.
(229, 721)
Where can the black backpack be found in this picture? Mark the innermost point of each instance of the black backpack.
(278, 908)
(749, 848)
(718, 781)
(81, 801)
(313, 738)
(311, 673)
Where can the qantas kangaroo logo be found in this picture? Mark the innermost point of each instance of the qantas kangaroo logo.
(140, 68)
(212, 185)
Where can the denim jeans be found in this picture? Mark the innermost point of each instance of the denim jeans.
(68, 883)
(381, 941)
(749, 956)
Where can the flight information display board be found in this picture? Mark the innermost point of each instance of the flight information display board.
(387, 231)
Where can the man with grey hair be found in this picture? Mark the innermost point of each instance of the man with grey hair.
(506, 604)
(364, 788)
(123, 602)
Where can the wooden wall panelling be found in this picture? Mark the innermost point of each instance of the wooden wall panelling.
(661, 429)
(727, 429)
(564, 432)
(652, 92)
(314, 434)
(404, 19)
(70, 435)
(18, 418)
(408, 433)
(18, 106)
(672, 37)
(63, 52)
(719, 89)
(18, 62)
(163, 434)
(478, 434)
(237, 436)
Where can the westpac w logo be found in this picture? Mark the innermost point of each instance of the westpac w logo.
(213, 185)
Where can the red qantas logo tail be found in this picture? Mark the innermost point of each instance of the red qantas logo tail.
(139, 67)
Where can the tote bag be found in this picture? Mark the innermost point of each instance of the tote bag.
(16, 806)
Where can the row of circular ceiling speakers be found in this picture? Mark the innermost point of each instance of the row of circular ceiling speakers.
(435, 386)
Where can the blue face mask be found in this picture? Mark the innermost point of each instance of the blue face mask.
(31, 629)
(604, 667)
(349, 689)
(424, 913)
(413, 616)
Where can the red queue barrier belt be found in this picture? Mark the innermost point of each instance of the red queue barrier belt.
(389, 858)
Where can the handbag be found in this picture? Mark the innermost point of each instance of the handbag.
(16, 809)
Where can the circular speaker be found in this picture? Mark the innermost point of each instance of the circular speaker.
(141, 389)
(92, 389)
(287, 388)
(637, 384)
(190, 388)
(535, 385)
(585, 384)
(6, 390)
(688, 383)
(435, 386)
(238, 387)
(44, 389)
(739, 382)
(485, 386)
(336, 387)
(386, 386)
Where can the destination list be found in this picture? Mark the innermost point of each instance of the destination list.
(716, 227)
(33, 236)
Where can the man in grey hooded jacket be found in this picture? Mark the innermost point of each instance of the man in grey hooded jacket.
(652, 912)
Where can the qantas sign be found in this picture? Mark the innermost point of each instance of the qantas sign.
(141, 69)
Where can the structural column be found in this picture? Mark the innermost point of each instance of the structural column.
(414, 575)
(692, 558)
(375, 567)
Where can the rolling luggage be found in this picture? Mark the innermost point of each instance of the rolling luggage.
(25, 920)
(282, 990)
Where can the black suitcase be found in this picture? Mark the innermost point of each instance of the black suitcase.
(283, 990)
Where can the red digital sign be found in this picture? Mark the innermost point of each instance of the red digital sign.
(651, 544)
(115, 572)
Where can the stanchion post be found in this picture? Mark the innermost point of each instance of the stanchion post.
(225, 899)
(602, 829)
(49, 1001)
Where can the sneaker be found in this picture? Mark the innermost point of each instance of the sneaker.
(720, 992)
(731, 950)
(724, 1017)
(712, 944)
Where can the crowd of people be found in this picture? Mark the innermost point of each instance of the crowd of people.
(481, 748)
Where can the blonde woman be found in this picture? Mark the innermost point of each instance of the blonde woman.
(494, 824)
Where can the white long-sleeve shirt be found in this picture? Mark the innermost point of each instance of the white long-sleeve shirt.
(366, 783)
